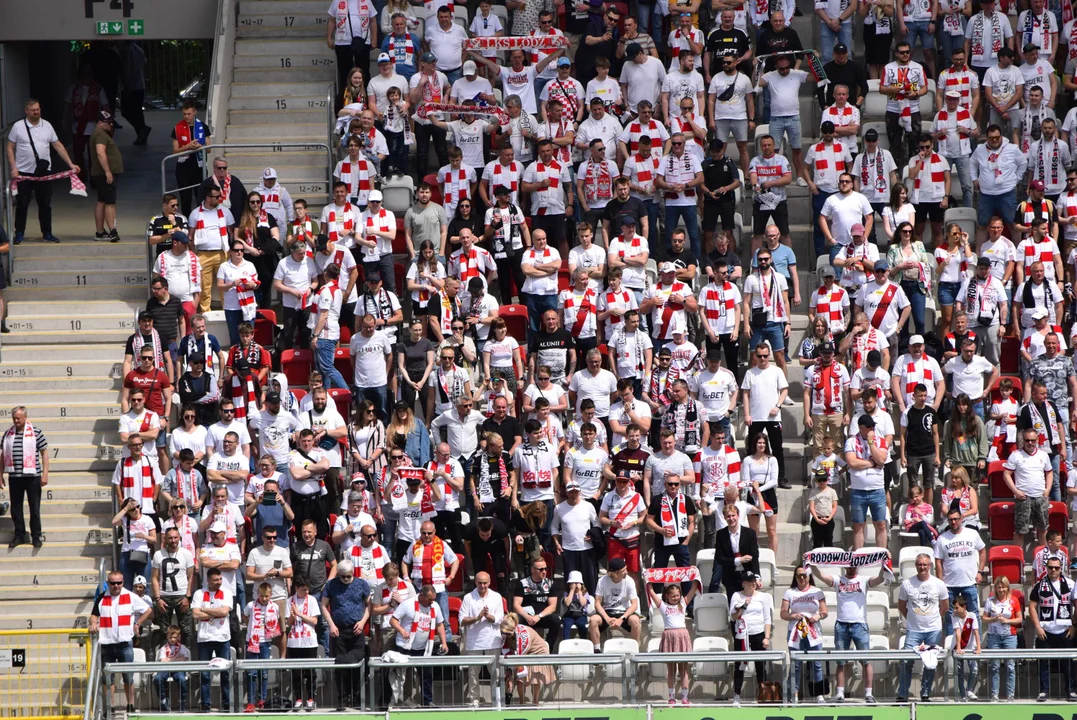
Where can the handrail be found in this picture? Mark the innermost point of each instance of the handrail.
(331, 123)
(93, 678)
(220, 49)
(115, 538)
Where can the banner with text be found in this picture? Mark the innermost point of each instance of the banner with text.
(548, 713)
(972, 711)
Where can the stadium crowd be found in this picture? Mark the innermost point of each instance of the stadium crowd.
(353, 470)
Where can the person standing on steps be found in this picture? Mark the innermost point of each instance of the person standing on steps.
(106, 166)
(28, 155)
(351, 34)
(27, 471)
(190, 133)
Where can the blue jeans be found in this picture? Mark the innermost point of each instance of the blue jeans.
(816, 667)
(690, 215)
(1001, 642)
(978, 408)
(377, 395)
(865, 501)
(848, 635)
(579, 623)
(1055, 494)
(973, 603)
(964, 175)
(817, 202)
(454, 75)
(442, 599)
(233, 318)
(540, 82)
(258, 680)
(966, 667)
(160, 681)
(918, 29)
(912, 641)
(828, 39)
(650, 22)
(1004, 205)
(131, 569)
(398, 153)
(536, 305)
(323, 358)
(918, 303)
(207, 651)
(652, 222)
(947, 43)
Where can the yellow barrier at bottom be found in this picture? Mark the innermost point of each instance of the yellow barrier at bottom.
(43, 673)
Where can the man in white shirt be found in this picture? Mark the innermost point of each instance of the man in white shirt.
(885, 304)
(572, 521)
(874, 173)
(1029, 475)
(731, 106)
(955, 127)
(679, 175)
(548, 180)
(481, 612)
(961, 562)
(212, 225)
(446, 40)
(783, 83)
(595, 383)
(540, 265)
(329, 428)
(765, 390)
(866, 454)
(922, 601)
(29, 141)
(973, 375)
(417, 623)
(984, 298)
(371, 352)
(212, 609)
(642, 77)
(904, 82)
(461, 430)
(766, 301)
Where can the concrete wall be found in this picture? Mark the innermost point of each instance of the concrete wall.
(77, 19)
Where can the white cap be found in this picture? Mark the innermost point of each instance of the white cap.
(374, 195)
(218, 527)
(140, 580)
(667, 267)
(384, 57)
(916, 340)
(269, 173)
(470, 68)
(1039, 313)
(575, 577)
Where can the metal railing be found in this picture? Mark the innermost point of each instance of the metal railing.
(93, 706)
(218, 93)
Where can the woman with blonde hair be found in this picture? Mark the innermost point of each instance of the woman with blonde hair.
(409, 435)
(521, 640)
(1002, 616)
(527, 521)
(354, 94)
(961, 491)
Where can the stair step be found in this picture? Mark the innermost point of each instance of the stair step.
(130, 245)
(279, 90)
(87, 353)
(261, 117)
(293, 172)
(60, 383)
(48, 404)
(283, 47)
(46, 578)
(73, 323)
(56, 547)
(276, 73)
(103, 464)
(60, 534)
(86, 452)
(69, 369)
(127, 291)
(36, 338)
(274, 105)
(283, 7)
(277, 30)
(72, 563)
(74, 279)
(83, 437)
(60, 491)
(271, 18)
(98, 508)
(283, 133)
(51, 592)
(64, 521)
(322, 59)
(82, 307)
(106, 422)
(47, 621)
(29, 266)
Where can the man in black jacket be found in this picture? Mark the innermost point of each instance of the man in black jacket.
(736, 551)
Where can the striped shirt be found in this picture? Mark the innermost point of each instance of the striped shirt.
(16, 451)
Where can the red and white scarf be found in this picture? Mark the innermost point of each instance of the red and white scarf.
(551, 172)
(719, 306)
(929, 185)
(137, 483)
(646, 169)
(344, 226)
(829, 305)
(200, 235)
(186, 487)
(358, 176)
(678, 524)
(407, 44)
(961, 122)
(582, 313)
(635, 132)
(455, 187)
(29, 450)
(508, 177)
(916, 372)
(959, 80)
(598, 182)
(263, 626)
(137, 343)
(372, 557)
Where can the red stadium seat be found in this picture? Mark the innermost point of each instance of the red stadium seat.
(1000, 518)
(998, 487)
(1010, 354)
(1058, 517)
(457, 585)
(432, 180)
(342, 361)
(332, 524)
(343, 399)
(399, 271)
(454, 613)
(1008, 561)
(400, 240)
(515, 317)
(345, 335)
(265, 328)
(1017, 388)
(296, 366)
(299, 393)
(564, 280)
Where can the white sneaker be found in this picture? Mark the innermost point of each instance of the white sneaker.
(839, 698)
(820, 700)
(788, 402)
(971, 696)
(801, 182)
(736, 700)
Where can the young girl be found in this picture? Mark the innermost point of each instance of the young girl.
(919, 517)
(263, 627)
(1004, 414)
(397, 132)
(822, 504)
(675, 637)
(303, 613)
(172, 651)
(578, 605)
(966, 641)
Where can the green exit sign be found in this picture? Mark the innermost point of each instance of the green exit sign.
(136, 27)
(109, 28)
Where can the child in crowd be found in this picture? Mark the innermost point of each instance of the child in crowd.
(966, 642)
(172, 651)
(675, 638)
(830, 462)
(920, 517)
(1052, 550)
(1003, 413)
(578, 606)
(823, 505)
(263, 627)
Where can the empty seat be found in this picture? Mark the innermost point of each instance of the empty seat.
(878, 611)
(705, 564)
(826, 625)
(398, 192)
(875, 104)
(618, 646)
(1000, 520)
(880, 642)
(996, 483)
(516, 320)
(342, 397)
(964, 217)
(342, 361)
(654, 645)
(1059, 517)
(710, 669)
(712, 614)
(1008, 561)
(296, 366)
(768, 566)
(575, 673)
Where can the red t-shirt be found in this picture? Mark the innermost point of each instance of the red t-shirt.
(154, 383)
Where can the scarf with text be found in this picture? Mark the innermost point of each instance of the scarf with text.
(29, 450)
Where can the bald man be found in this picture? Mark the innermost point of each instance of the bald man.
(481, 613)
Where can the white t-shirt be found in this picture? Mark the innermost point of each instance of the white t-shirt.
(969, 377)
(923, 598)
(681, 85)
(785, 92)
(764, 386)
(735, 108)
(960, 556)
(312, 485)
(368, 354)
(1004, 82)
(295, 275)
(501, 351)
(379, 87)
(172, 570)
(464, 89)
(328, 419)
(419, 621)
(852, 598)
(1029, 471)
(844, 211)
(616, 597)
(468, 137)
(236, 462)
(868, 478)
(521, 84)
(215, 629)
(645, 82)
(586, 468)
(43, 136)
(1040, 72)
(225, 553)
(596, 387)
(571, 523)
(274, 432)
(228, 273)
(758, 612)
(261, 561)
(803, 602)
(546, 285)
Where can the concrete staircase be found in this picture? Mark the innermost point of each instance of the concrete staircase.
(71, 308)
(282, 71)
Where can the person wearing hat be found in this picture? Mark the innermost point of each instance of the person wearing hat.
(866, 454)
(276, 200)
(378, 225)
(428, 85)
(472, 86)
(1038, 53)
(378, 87)
(874, 173)
(955, 127)
(567, 91)
(826, 397)
(985, 296)
(162, 228)
(831, 302)
(668, 301)
(106, 166)
(574, 517)
(851, 74)
(913, 368)
(351, 34)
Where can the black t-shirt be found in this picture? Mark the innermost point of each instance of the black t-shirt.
(495, 545)
(160, 225)
(773, 42)
(655, 509)
(166, 317)
(551, 349)
(587, 54)
(851, 74)
(716, 174)
(509, 429)
(533, 594)
(615, 209)
(682, 260)
(731, 258)
(918, 431)
(309, 562)
(415, 356)
(726, 42)
(129, 349)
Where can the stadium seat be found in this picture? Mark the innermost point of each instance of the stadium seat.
(296, 366)
(1000, 520)
(996, 483)
(1059, 517)
(880, 642)
(345, 335)
(710, 669)
(1010, 354)
(879, 127)
(711, 614)
(653, 645)
(454, 614)
(299, 393)
(400, 240)
(927, 103)
(1008, 561)
(564, 280)
(342, 397)
(705, 564)
(964, 217)
(1018, 387)
(265, 328)
(901, 524)
(575, 673)
(768, 567)
(874, 104)
(826, 625)
(398, 191)
(342, 361)
(617, 646)
(515, 319)
(878, 609)
(907, 560)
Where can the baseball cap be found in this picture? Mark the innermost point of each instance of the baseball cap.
(475, 284)
(866, 421)
(628, 220)
(633, 50)
(470, 68)
(373, 275)
(273, 397)
(820, 475)
(217, 527)
(828, 271)
(428, 57)
(384, 57)
(714, 353)
(953, 94)
(840, 48)
(321, 242)
(617, 564)
(827, 347)
(374, 196)
(180, 236)
(563, 62)
(871, 135)
(667, 267)
(502, 190)
(983, 262)
(916, 340)
(748, 576)
(269, 173)
(1030, 46)
(881, 265)
(1039, 313)
(196, 358)
(856, 229)
(140, 580)
(1036, 185)
(105, 116)
(826, 126)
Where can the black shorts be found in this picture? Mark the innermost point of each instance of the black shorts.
(553, 225)
(713, 212)
(931, 211)
(418, 310)
(106, 192)
(780, 215)
(877, 51)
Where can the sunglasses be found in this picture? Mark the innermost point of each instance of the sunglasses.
(220, 167)
(396, 457)
(540, 569)
(762, 357)
(120, 582)
(369, 536)
(677, 144)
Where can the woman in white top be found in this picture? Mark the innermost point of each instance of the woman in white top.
(231, 276)
(804, 606)
(425, 278)
(910, 267)
(367, 441)
(190, 436)
(675, 638)
(752, 613)
(139, 535)
(302, 618)
(897, 211)
(501, 356)
(759, 471)
(1002, 617)
(953, 262)
(544, 387)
